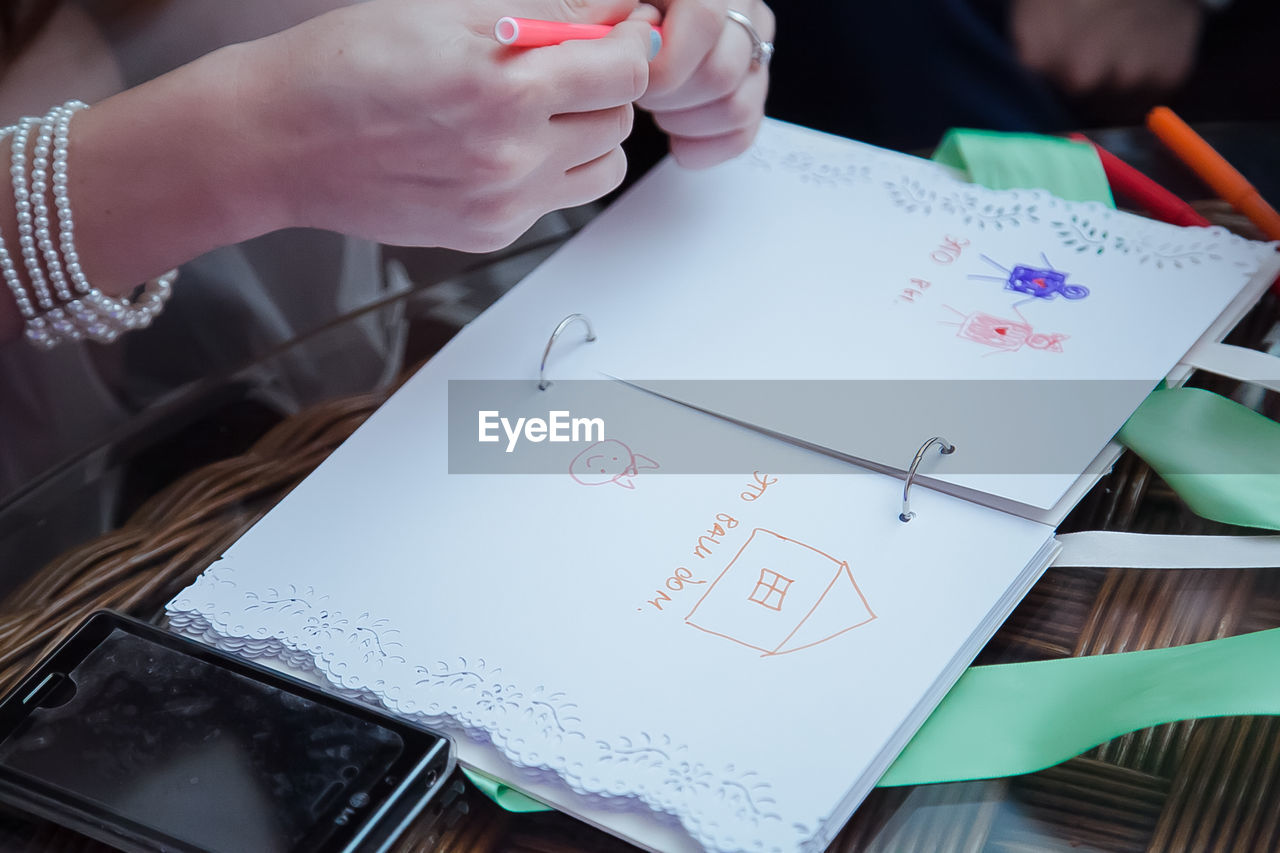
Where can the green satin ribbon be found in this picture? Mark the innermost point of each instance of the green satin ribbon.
(1006, 161)
(1017, 718)
(503, 794)
(1023, 717)
(1222, 458)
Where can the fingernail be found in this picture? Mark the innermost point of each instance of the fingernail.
(655, 43)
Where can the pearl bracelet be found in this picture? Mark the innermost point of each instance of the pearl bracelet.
(22, 201)
(117, 315)
(20, 296)
(69, 307)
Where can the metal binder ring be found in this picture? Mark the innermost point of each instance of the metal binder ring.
(542, 370)
(947, 449)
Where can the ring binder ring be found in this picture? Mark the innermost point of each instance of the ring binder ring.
(542, 370)
(947, 449)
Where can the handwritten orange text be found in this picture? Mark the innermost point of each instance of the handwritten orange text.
(723, 523)
(676, 583)
(916, 290)
(683, 577)
(757, 486)
(949, 251)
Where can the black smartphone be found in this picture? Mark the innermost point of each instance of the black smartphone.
(153, 742)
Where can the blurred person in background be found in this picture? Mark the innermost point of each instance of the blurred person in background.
(900, 74)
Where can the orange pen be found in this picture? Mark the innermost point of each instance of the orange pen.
(1215, 171)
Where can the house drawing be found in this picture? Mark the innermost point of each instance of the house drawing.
(779, 595)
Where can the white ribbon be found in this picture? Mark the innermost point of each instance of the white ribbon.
(1234, 362)
(1115, 549)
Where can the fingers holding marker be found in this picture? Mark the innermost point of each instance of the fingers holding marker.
(691, 28)
(582, 75)
(579, 138)
(714, 112)
(740, 109)
(571, 109)
(592, 180)
(722, 71)
(700, 152)
(464, 142)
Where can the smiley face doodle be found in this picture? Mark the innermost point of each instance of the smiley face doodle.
(608, 461)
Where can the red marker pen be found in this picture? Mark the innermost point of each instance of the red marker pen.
(1129, 182)
(529, 32)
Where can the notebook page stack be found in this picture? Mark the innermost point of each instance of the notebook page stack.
(862, 300)
(692, 632)
(734, 656)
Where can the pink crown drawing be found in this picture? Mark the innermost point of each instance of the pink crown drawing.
(778, 596)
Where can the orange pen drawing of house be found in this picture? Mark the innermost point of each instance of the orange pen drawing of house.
(778, 596)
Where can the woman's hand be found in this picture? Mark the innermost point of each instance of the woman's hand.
(401, 121)
(406, 122)
(704, 89)
(1088, 45)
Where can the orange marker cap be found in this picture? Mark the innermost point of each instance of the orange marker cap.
(1213, 169)
(1198, 154)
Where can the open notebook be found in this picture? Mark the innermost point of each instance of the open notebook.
(713, 630)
